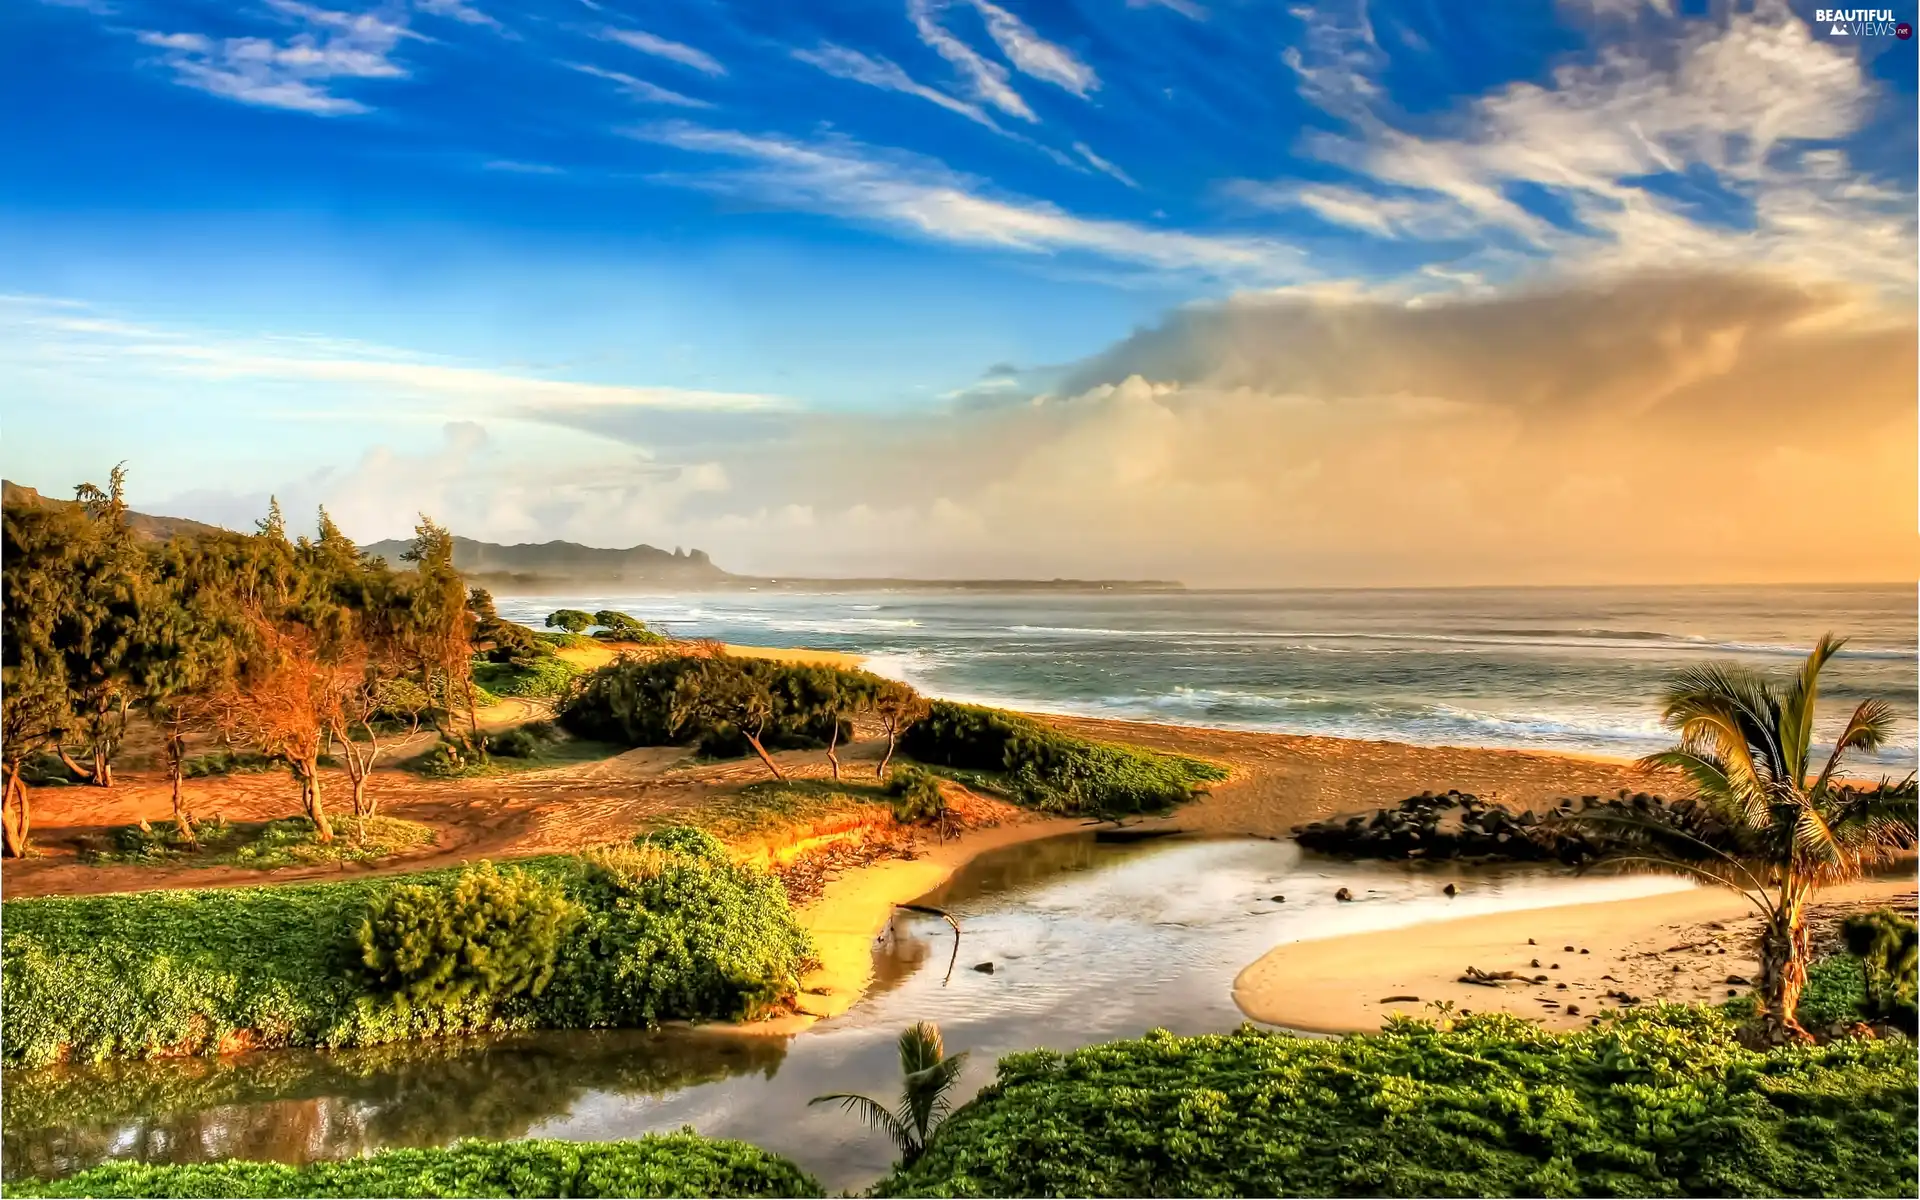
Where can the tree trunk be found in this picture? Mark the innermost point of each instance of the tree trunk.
(15, 817)
(362, 807)
(473, 721)
(79, 772)
(176, 767)
(832, 745)
(102, 764)
(764, 756)
(880, 772)
(310, 799)
(1783, 976)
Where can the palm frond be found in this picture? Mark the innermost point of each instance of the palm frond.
(877, 1116)
(1796, 707)
(1742, 802)
(920, 1047)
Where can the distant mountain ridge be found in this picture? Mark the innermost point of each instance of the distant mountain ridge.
(559, 563)
(558, 567)
(158, 529)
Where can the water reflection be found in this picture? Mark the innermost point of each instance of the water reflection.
(1089, 942)
(297, 1106)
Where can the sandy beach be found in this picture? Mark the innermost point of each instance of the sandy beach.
(1691, 947)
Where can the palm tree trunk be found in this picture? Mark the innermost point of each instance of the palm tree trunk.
(1783, 975)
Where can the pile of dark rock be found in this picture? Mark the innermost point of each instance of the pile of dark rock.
(1457, 825)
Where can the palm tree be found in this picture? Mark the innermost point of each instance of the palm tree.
(929, 1076)
(1773, 830)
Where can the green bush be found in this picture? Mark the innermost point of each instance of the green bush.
(635, 702)
(567, 641)
(539, 678)
(522, 741)
(680, 1164)
(228, 762)
(1664, 1102)
(1885, 943)
(1054, 771)
(572, 621)
(478, 938)
(656, 911)
(916, 794)
(145, 974)
(287, 842)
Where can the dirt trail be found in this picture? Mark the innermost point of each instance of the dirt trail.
(1277, 781)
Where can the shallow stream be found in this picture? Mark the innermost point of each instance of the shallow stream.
(1089, 942)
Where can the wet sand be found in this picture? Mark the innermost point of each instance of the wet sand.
(1682, 947)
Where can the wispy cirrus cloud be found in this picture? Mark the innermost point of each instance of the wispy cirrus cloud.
(68, 336)
(1034, 55)
(843, 178)
(296, 72)
(640, 89)
(659, 47)
(841, 62)
(986, 79)
(1102, 165)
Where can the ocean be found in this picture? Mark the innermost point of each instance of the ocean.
(1576, 669)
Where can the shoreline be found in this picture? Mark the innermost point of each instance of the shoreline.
(856, 907)
(1689, 946)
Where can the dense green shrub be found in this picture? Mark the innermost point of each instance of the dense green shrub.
(658, 914)
(287, 842)
(681, 1164)
(181, 972)
(1887, 945)
(478, 938)
(566, 641)
(522, 741)
(1664, 1102)
(228, 762)
(656, 702)
(1055, 771)
(538, 678)
(916, 794)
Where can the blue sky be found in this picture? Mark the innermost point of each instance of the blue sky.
(333, 250)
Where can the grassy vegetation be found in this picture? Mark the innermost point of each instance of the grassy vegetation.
(1664, 1102)
(1054, 771)
(541, 678)
(289, 842)
(560, 640)
(682, 1164)
(792, 804)
(143, 974)
(229, 762)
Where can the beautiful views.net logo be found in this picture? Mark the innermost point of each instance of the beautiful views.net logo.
(1861, 22)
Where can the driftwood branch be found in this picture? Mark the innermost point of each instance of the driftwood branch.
(1494, 979)
(946, 916)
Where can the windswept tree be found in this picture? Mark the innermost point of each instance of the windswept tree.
(898, 706)
(98, 624)
(720, 692)
(184, 652)
(439, 630)
(284, 700)
(1782, 823)
(617, 626)
(928, 1075)
(38, 551)
(365, 652)
(570, 620)
(501, 640)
